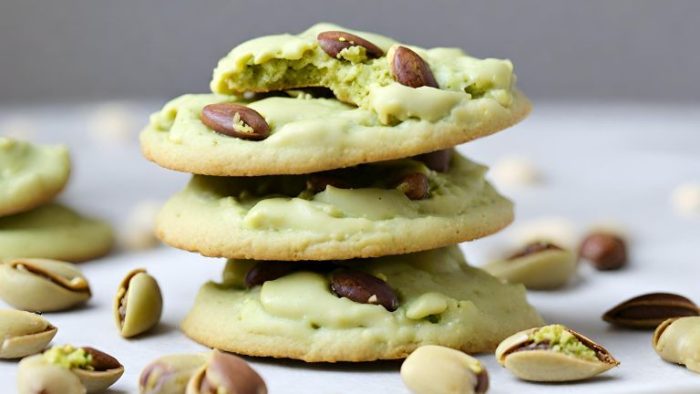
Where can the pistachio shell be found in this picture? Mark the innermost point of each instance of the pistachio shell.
(546, 269)
(40, 285)
(546, 365)
(437, 369)
(36, 375)
(23, 333)
(170, 374)
(224, 372)
(677, 340)
(138, 304)
(98, 381)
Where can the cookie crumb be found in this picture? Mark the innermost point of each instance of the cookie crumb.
(686, 199)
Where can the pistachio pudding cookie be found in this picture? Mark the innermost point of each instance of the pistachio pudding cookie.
(54, 231)
(361, 310)
(30, 175)
(366, 211)
(386, 102)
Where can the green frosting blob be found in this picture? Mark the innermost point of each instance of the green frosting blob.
(283, 202)
(440, 296)
(287, 61)
(69, 357)
(562, 340)
(30, 174)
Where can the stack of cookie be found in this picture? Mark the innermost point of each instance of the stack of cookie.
(325, 173)
(31, 225)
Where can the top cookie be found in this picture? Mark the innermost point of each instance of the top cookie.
(372, 115)
(30, 175)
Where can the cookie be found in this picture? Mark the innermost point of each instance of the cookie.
(440, 301)
(394, 81)
(56, 232)
(368, 211)
(30, 175)
(313, 134)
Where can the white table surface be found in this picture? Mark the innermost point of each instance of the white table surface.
(607, 162)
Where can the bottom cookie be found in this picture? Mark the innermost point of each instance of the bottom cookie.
(441, 300)
(56, 232)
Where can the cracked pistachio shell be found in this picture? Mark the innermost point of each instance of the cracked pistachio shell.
(546, 365)
(138, 304)
(226, 373)
(440, 370)
(542, 270)
(40, 285)
(677, 341)
(100, 379)
(170, 374)
(36, 375)
(23, 333)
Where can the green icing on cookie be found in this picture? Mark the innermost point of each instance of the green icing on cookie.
(287, 61)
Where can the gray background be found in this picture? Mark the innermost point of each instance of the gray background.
(595, 49)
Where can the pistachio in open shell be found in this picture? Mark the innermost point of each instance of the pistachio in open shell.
(553, 353)
(170, 374)
(138, 304)
(226, 373)
(68, 369)
(677, 341)
(40, 285)
(23, 333)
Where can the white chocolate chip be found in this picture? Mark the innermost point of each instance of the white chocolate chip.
(686, 200)
(514, 172)
(137, 232)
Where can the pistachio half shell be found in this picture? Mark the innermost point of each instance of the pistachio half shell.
(105, 371)
(677, 341)
(538, 266)
(138, 304)
(553, 353)
(436, 369)
(170, 374)
(224, 372)
(23, 333)
(40, 285)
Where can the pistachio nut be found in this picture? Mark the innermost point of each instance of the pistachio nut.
(226, 373)
(440, 370)
(138, 304)
(68, 369)
(553, 353)
(170, 374)
(539, 265)
(677, 341)
(23, 333)
(40, 285)
(650, 310)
